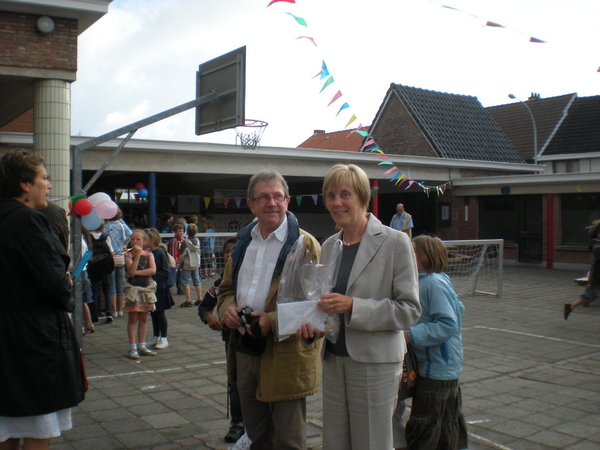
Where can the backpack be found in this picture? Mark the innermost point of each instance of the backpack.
(193, 257)
(101, 263)
(172, 278)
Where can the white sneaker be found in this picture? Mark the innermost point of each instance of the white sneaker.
(133, 354)
(162, 343)
(153, 341)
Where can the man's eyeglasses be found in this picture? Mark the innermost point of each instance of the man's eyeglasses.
(265, 198)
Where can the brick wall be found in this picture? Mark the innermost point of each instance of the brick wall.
(397, 133)
(23, 46)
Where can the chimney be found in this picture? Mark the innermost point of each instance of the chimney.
(534, 96)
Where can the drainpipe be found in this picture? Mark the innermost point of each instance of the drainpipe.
(550, 231)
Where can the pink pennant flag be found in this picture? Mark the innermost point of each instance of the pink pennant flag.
(309, 38)
(410, 183)
(206, 202)
(335, 97)
(390, 170)
(315, 197)
(226, 202)
(536, 40)
(356, 129)
(238, 200)
(277, 1)
(383, 157)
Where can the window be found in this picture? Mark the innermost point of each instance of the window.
(129, 196)
(578, 211)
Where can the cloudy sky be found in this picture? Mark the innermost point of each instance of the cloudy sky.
(141, 58)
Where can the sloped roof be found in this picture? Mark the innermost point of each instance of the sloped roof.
(515, 121)
(337, 140)
(580, 130)
(457, 126)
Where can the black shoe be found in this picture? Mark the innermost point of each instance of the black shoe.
(235, 433)
(567, 310)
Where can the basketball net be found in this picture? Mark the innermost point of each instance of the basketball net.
(250, 133)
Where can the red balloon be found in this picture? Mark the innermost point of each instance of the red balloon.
(140, 186)
(83, 207)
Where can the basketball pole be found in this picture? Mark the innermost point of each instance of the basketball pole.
(77, 180)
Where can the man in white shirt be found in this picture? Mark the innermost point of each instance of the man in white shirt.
(402, 220)
(273, 377)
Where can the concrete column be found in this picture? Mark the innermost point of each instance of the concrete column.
(52, 133)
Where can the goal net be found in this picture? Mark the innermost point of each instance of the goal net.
(475, 266)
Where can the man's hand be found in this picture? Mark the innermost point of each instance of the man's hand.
(231, 319)
(263, 321)
(213, 323)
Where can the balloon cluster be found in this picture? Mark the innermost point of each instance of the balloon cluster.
(95, 208)
(142, 191)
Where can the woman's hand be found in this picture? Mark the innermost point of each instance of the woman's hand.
(138, 250)
(306, 331)
(335, 303)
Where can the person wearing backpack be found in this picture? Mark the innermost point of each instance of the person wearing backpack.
(189, 261)
(100, 266)
(164, 299)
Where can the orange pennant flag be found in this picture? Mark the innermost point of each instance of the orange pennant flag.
(493, 24)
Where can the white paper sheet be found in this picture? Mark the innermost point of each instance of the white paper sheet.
(291, 316)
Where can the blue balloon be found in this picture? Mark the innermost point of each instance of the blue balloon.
(92, 221)
(143, 193)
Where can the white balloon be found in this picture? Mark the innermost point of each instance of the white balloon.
(98, 197)
(92, 221)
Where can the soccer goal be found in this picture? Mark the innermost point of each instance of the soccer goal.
(475, 266)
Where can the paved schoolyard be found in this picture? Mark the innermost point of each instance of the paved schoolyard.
(530, 380)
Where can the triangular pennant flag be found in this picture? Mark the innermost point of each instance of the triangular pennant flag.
(493, 24)
(390, 170)
(373, 192)
(315, 198)
(363, 133)
(206, 202)
(118, 196)
(276, 1)
(226, 202)
(410, 183)
(190, 200)
(173, 199)
(324, 72)
(329, 81)
(385, 163)
(300, 20)
(344, 106)
(399, 174)
(536, 40)
(352, 119)
(335, 97)
(383, 157)
(238, 200)
(309, 38)
(298, 199)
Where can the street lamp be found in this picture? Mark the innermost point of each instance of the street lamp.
(535, 147)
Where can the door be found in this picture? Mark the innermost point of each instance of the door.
(529, 232)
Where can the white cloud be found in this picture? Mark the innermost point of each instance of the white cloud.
(141, 58)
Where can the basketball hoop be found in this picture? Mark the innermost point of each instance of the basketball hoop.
(250, 133)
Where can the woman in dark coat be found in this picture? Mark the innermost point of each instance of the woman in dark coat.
(41, 370)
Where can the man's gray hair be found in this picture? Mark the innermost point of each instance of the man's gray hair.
(267, 175)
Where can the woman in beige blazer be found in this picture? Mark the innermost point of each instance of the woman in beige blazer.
(376, 297)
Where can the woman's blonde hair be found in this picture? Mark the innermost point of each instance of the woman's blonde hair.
(354, 176)
(432, 253)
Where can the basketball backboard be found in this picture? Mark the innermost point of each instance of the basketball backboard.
(226, 75)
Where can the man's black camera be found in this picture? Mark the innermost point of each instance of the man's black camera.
(251, 344)
(245, 317)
